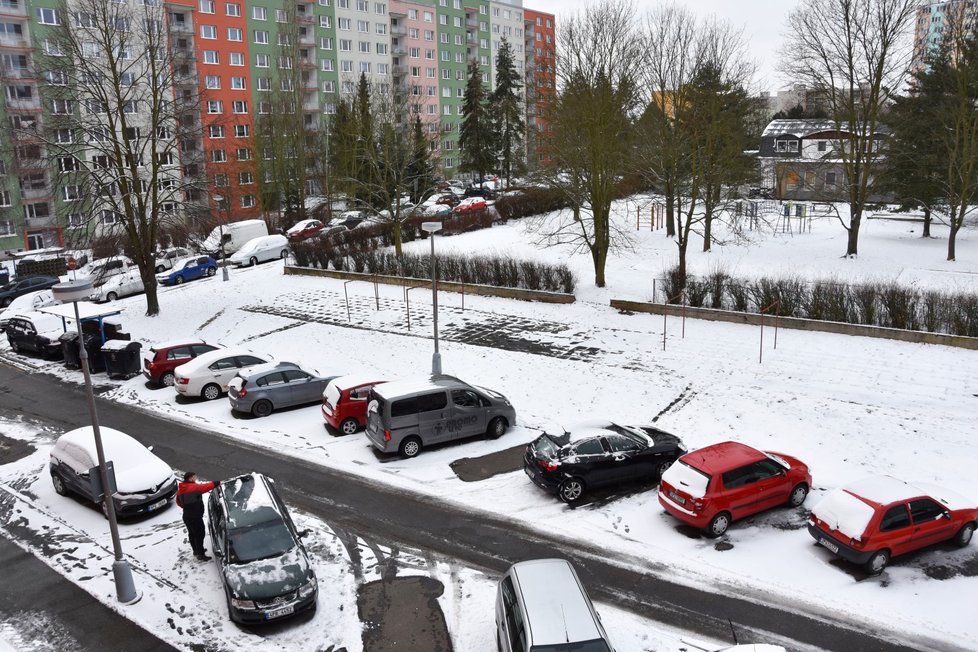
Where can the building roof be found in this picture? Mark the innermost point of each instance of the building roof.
(803, 127)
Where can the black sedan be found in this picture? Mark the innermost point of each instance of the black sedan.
(14, 289)
(596, 455)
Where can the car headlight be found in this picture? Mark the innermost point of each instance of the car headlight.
(242, 604)
(309, 588)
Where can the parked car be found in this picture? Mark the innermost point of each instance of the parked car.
(29, 302)
(304, 229)
(144, 482)
(871, 521)
(188, 269)
(265, 570)
(208, 374)
(225, 239)
(260, 250)
(541, 606)
(166, 257)
(600, 454)
(264, 388)
(345, 402)
(406, 415)
(161, 360)
(22, 286)
(449, 199)
(37, 332)
(119, 285)
(100, 269)
(470, 205)
(480, 191)
(711, 487)
(436, 210)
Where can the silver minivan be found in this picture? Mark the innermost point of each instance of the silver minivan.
(407, 415)
(541, 606)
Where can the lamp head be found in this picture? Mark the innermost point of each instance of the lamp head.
(72, 291)
(431, 227)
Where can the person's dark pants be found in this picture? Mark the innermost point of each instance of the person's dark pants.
(195, 531)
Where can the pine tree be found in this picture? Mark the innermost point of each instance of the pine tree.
(507, 109)
(475, 139)
(421, 172)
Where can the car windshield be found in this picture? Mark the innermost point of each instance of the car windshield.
(259, 541)
(597, 645)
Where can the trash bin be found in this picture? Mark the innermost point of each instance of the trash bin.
(122, 358)
(93, 345)
(69, 348)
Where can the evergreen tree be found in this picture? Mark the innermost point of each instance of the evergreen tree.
(421, 171)
(507, 110)
(475, 139)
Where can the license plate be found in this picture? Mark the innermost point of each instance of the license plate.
(828, 544)
(527, 471)
(157, 504)
(679, 499)
(275, 613)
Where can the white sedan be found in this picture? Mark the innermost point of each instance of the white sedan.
(208, 374)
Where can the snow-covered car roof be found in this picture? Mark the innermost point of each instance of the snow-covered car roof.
(136, 467)
(187, 341)
(205, 359)
(357, 379)
(45, 324)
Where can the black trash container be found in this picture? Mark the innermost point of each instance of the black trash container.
(69, 348)
(122, 358)
(93, 345)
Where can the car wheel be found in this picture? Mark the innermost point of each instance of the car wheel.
(211, 392)
(571, 490)
(59, 485)
(718, 525)
(410, 447)
(15, 346)
(798, 495)
(178, 280)
(167, 379)
(878, 562)
(211, 271)
(253, 261)
(496, 428)
(262, 408)
(160, 269)
(349, 426)
(111, 296)
(661, 468)
(963, 537)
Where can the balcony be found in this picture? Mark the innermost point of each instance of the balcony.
(399, 70)
(17, 73)
(19, 42)
(35, 193)
(398, 30)
(24, 104)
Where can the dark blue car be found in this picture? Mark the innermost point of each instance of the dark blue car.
(188, 269)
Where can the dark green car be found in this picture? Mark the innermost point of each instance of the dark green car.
(264, 566)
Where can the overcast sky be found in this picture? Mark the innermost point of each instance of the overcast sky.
(763, 21)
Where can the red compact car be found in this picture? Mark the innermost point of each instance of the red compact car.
(870, 521)
(345, 402)
(162, 359)
(470, 205)
(304, 229)
(713, 486)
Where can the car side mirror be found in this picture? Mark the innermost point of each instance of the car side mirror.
(303, 534)
(149, 448)
(947, 514)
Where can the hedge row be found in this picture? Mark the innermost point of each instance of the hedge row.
(480, 270)
(886, 304)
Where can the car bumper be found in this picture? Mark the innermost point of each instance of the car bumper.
(546, 483)
(145, 505)
(679, 512)
(182, 389)
(378, 441)
(837, 548)
(330, 418)
(278, 612)
(238, 405)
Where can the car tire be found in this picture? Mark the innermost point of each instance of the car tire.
(178, 280)
(261, 408)
(718, 525)
(877, 562)
(964, 535)
(410, 447)
(571, 490)
(211, 271)
(210, 392)
(496, 429)
(798, 495)
(349, 426)
(111, 296)
(59, 485)
(15, 346)
(160, 269)
(253, 261)
(662, 467)
(167, 379)
(6, 302)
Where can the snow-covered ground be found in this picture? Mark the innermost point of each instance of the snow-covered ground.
(847, 406)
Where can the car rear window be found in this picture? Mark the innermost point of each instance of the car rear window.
(685, 478)
(546, 447)
(842, 511)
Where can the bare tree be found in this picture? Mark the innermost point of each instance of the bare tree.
(590, 137)
(853, 54)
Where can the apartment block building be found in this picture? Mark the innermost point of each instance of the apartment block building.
(932, 20)
(236, 62)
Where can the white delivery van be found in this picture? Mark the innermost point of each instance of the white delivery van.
(235, 234)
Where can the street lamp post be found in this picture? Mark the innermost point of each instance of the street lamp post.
(75, 291)
(431, 228)
(224, 257)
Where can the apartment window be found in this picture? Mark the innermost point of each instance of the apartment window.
(244, 154)
(446, 73)
(381, 28)
(286, 85)
(830, 179)
(381, 48)
(210, 56)
(347, 86)
(47, 16)
(346, 45)
(215, 131)
(239, 106)
(264, 108)
(231, 9)
(363, 5)
(165, 158)
(443, 20)
(326, 65)
(108, 217)
(261, 37)
(363, 26)
(69, 164)
(261, 61)
(346, 66)
(365, 66)
(380, 8)
(326, 22)
(329, 86)
(236, 58)
(364, 47)
(15, 30)
(212, 82)
(248, 201)
(821, 145)
(263, 83)
(215, 106)
(241, 131)
(95, 106)
(446, 55)
(283, 39)
(234, 34)
(206, 6)
(245, 178)
(219, 156)
(34, 182)
(344, 24)
(64, 136)
(383, 68)
(238, 83)
(259, 13)
(208, 31)
(285, 63)
(132, 133)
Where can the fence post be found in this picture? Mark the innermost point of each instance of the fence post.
(377, 292)
(346, 297)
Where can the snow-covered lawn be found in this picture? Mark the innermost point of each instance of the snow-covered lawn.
(849, 407)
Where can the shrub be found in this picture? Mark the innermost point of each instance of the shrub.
(764, 292)
(534, 201)
(672, 286)
(963, 318)
(715, 282)
(791, 294)
(696, 292)
(866, 301)
(740, 295)
(900, 305)
(935, 307)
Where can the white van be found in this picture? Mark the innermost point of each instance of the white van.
(235, 235)
(261, 249)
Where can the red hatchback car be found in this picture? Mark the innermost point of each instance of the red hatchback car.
(713, 486)
(162, 359)
(345, 402)
(872, 520)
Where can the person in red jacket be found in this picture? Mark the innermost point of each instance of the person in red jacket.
(190, 497)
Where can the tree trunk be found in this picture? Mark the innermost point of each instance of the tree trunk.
(397, 239)
(150, 287)
(951, 238)
(680, 273)
(670, 212)
(926, 222)
(708, 230)
(852, 248)
(600, 256)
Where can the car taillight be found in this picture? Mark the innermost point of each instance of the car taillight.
(183, 381)
(387, 435)
(856, 543)
(242, 392)
(697, 504)
(547, 465)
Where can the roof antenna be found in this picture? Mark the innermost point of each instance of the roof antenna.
(564, 618)
(733, 632)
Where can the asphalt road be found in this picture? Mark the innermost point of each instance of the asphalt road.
(478, 539)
